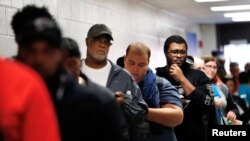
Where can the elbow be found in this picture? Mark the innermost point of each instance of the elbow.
(181, 117)
(178, 118)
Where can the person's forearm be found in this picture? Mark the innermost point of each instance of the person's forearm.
(170, 116)
(187, 86)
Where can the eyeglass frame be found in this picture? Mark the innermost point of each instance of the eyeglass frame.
(211, 67)
(178, 52)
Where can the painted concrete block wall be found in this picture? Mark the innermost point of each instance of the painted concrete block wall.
(130, 21)
(208, 33)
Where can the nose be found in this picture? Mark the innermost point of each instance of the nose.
(135, 68)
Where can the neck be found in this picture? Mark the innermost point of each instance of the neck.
(95, 65)
(53, 82)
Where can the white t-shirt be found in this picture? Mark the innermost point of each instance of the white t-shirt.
(99, 76)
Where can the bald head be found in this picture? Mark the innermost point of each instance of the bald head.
(136, 60)
(138, 48)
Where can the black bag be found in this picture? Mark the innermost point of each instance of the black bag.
(137, 123)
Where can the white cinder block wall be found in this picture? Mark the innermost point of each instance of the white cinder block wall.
(130, 21)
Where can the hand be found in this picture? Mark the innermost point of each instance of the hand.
(218, 103)
(231, 116)
(184, 101)
(119, 97)
(176, 72)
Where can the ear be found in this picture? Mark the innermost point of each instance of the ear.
(87, 40)
(124, 58)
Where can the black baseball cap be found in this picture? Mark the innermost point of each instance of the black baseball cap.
(71, 46)
(99, 29)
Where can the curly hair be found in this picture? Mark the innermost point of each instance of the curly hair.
(26, 15)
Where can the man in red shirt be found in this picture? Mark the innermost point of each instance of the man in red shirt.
(26, 110)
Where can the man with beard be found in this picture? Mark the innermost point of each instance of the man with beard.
(104, 72)
(87, 112)
(194, 89)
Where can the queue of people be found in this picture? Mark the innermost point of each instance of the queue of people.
(50, 93)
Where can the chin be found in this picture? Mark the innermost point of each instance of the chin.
(210, 77)
(178, 64)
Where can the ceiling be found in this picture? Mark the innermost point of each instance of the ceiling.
(197, 12)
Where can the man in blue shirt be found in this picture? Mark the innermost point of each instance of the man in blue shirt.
(165, 108)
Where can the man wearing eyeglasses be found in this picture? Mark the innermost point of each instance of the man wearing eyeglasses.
(194, 89)
(104, 72)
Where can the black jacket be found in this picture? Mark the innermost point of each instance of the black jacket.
(199, 113)
(245, 116)
(88, 112)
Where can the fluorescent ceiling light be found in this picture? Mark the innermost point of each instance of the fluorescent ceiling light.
(237, 14)
(231, 8)
(209, 0)
(240, 19)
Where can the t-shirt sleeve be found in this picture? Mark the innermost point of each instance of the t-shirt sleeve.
(168, 93)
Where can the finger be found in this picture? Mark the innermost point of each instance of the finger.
(175, 66)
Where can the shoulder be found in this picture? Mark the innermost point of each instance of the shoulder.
(20, 81)
(197, 75)
(16, 72)
(162, 80)
(160, 69)
(119, 71)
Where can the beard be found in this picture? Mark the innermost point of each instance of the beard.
(98, 58)
(179, 62)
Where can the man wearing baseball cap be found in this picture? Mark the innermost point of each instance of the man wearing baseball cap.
(98, 30)
(78, 107)
(106, 73)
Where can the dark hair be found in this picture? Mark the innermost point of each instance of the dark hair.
(244, 77)
(233, 64)
(71, 47)
(190, 59)
(208, 59)
(41, 29)
(120, 61)
(174, 39)
(26, 15)
(247, 66)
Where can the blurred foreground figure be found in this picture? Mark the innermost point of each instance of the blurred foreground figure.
(85, 112)
(26, 110)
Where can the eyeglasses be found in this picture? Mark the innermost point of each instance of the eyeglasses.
(178, 52)
(211, 67)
